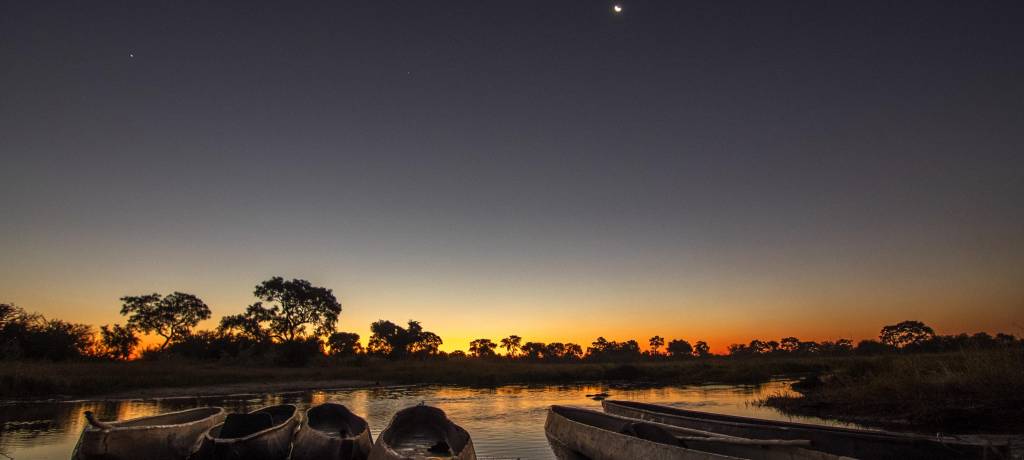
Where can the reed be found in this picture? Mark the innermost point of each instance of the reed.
(962, 391)
(41, 379)
(956, 391)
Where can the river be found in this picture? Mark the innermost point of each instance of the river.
(505, 422)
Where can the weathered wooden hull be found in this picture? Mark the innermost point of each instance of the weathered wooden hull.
(273, 443)
(839, 441)
(170, 436)
(422, 422)
(312, 442)
(607, 443)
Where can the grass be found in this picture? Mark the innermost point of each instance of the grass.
(974, 391)
(949, 392)
(78, 379)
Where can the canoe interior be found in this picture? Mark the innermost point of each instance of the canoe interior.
(172, 418)
(619, 425)
(424, 431)
(749, 420)
(242, 425)
(335, 420)
(594, 434)
(851, 442)
(690, 444)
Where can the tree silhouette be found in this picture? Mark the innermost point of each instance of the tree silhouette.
(396, 342)
(605, 350)
(656, 343)
(680, 349)
(790, 344)
(344, 344)
(1004, 339)
(118, 341)
(482, 348)
(32, 336)
(871, 347)
(171, 317)
(554, 350)
(511, 345)
(739, 349)
(533, 350)
(905, 334)
(701, 349)
(427, 344)
(839, 347)
(599, 346)
(573, 351)
(758, 346)
(248, 324)
(293, 305)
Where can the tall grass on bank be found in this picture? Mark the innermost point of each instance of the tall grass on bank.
(968, 391)
(74, 379)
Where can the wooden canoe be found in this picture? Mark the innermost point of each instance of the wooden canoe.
(332, 432)
(263, 434)
(866, 444)
(599, 436)
(422, 432)
(166, 436)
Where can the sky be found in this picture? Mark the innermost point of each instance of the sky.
(706, 170)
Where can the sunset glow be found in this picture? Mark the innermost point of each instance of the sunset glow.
(451, 184)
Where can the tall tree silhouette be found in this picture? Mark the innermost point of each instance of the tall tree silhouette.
(790, 345)
(344, 344)
(395, 342)
(171, 317)
(680, 349)
(293, 305)
(656, 342)
(573, 351)
(482, 348)
(554, 350)
(906, 333)
(511, 345)
(701, 349)
(118, 341)
(533, 350)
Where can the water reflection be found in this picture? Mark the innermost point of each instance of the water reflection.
(505, 422)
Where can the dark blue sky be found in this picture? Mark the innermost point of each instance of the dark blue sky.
(779, 162)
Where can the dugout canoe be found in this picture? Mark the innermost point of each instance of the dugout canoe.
(422, 432)
(168, 436)
(865, 444)
(263, 434)
(332, 432)
(600, 436)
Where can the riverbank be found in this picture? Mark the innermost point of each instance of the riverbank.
(69, 380)
(949, 392)
(966, 392)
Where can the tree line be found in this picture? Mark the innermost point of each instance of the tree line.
(293, 321)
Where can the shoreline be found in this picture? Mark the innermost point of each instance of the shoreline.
(949, 392)
(231, 389)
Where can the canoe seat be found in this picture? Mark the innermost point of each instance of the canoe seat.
(240, 425)
(650, 432)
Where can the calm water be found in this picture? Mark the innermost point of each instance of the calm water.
(505, 422)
